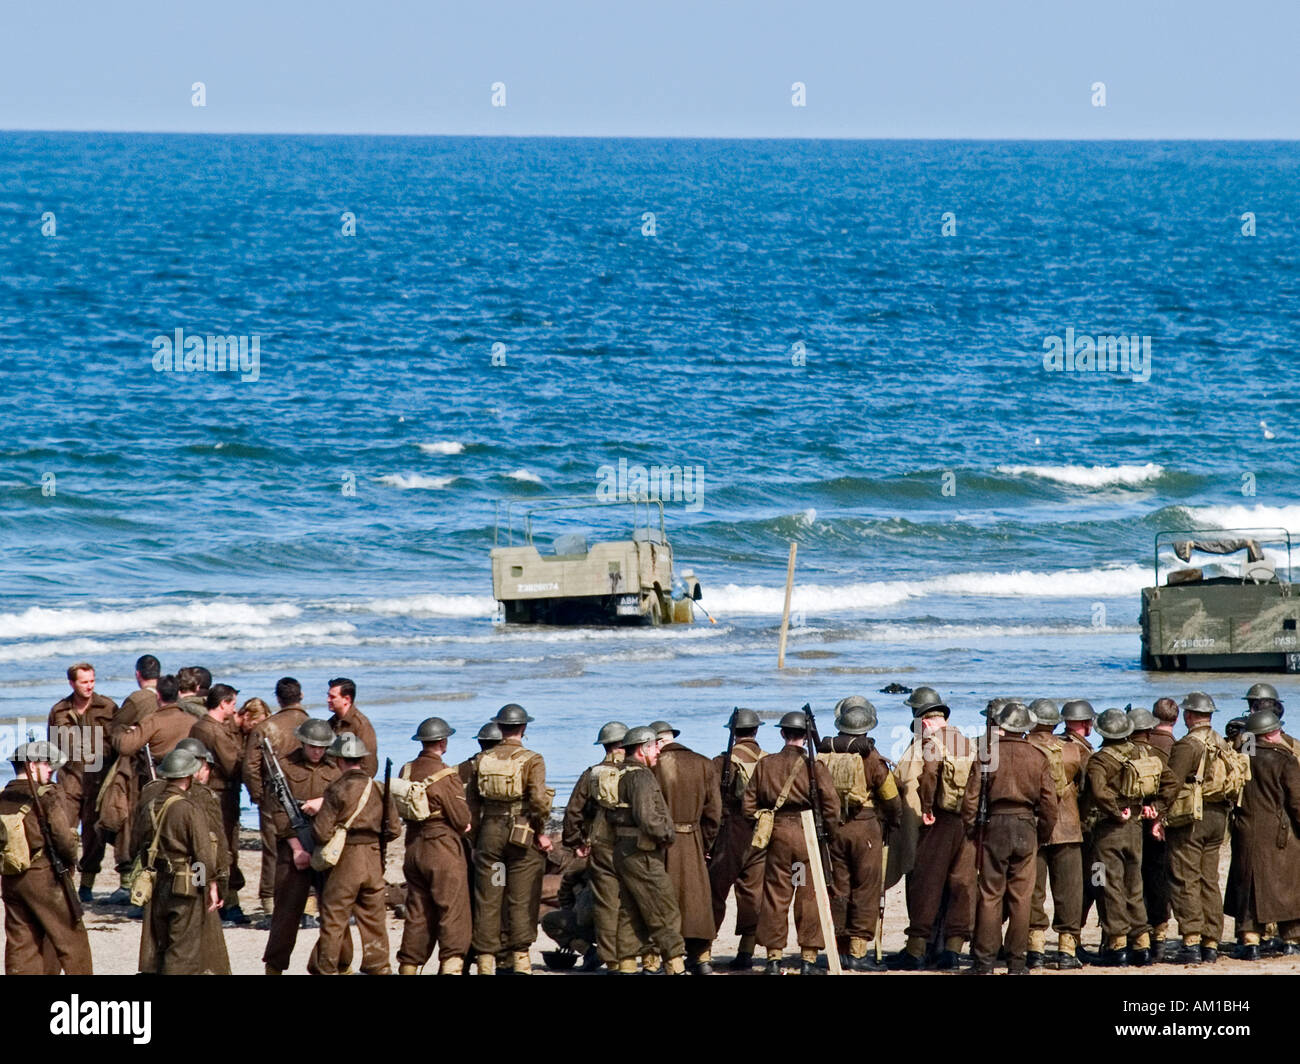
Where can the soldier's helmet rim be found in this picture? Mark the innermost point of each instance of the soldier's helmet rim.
(1263, 721)
(196, 747)
(431, 729)
(1114, 724)
(611, 732)
(512, 713)
(349, 747)
(314, 732)
(178, 765)
(857, 719)
(638, 736)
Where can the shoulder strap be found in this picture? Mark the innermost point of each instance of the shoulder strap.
(443, 774)
(158, 826)
(406, 771)
(789, 782)
(365, 797)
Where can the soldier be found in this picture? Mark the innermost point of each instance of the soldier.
(572, 924)
(160, 731)
(781, 787)
(437, 889)
(172, 836)
(309, 771)
(732, 861)
(355, 885)
(1061, 856)
(642, 829)
(341, 698)
(1265, 870)
(868, 795)
(509, 805)
(587, 833)
(121, 787)
(1018, 778)
(188, 698)
(79, 726)
(1153, 731)
(1118, 776)
(1194, 821)
(691, 790)
(488, 736)
(1078, 717)
(1265, 696)
(41, 935)
(945, 857)
(280, 728)
(227, 749)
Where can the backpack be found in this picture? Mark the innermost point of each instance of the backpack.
(743, 772)
(849, 777)
(1220, 777)
(501, 775)
(1139, 773)
(15, 853)
(604, 785)
(412, 796)
(1051, 748)
(953, 774)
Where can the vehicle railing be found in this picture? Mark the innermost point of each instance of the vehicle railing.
(1261, 535)
(524, 509)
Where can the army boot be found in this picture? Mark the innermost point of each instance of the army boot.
(1249, 949)
(1139, 953)
(703, 964)
(1114, 952)
(773, 965)
(1065, 959)
(859, 961)
(1191, 951)
(744, 959)
(1209, 952)
(86, 892)
(912, 956)
(808, 962)
(950, 959)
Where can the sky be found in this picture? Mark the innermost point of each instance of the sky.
(695, 68)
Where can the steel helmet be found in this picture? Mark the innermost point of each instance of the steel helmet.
(856, 719)
(1015, 717)
(1114, 724)
(314, 732)
(433, 729)
(925, 700)
(611, 733)
(1262, 690)
(178, 765)
(1263, 721)
(349, 747)
(1045, 711)
(39, 750)
(512, 713)
(197, 748)
(1198, 702)
(638, 736)
(1143, 719)
(1078, 709)
(489, 733)
(662, 727)
(796, 720)
(743, 718)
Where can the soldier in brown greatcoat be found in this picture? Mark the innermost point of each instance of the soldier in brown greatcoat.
(869, 808)
(227, 749)
(690, 787)
(345, 717)
(354, 886)
(509, 805)
(437, 890)
(585, 830)
(1021, 813)
(78, 725)
(782, 786)
(160, 731)
(41, 935)
(1264, 877)
(309, 771)
(732, 861)
(1154, 731)
(1060, 858)
(945, 857)
(279, 728)
(121, 787)
(184, 861)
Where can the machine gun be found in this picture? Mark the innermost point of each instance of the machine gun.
(279, 786)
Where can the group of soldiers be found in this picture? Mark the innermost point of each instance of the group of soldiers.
(655, 837)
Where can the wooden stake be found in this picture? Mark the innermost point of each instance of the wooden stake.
(785, 614)
(819, 889)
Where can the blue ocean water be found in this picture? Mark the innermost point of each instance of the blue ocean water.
(797, 327)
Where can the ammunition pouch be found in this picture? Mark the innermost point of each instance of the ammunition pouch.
(763, 822)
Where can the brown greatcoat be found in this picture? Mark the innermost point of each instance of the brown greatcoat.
(227, 749)
(83, 737)
(279, 728)
(690, 786)
(160, 732)
(732, 861)
(1264, 878)
(359, 725)
(121, 787)
(40, 936)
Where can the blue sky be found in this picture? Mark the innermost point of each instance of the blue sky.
(905, 68)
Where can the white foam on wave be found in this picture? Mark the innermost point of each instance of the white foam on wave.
(1111, 582)
(40, 621)
(525, 475)
(417, 481)
(1239, 516)
(304, 635)
(443, 447)
(1087, 476)
(901, 633)
(431, 605)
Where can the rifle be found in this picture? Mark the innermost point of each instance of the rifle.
(60, 869)
(982, 808)
(383, 813)
(728, 779)
(823, 837)
(278, 785)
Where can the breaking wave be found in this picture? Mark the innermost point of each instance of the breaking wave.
(1088, 476)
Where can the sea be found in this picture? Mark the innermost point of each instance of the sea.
(858, 347)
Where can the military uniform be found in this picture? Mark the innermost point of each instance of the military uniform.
(176, 944)
(194, 706)
(584, 824)
(732, 861)
(359, 725)
(279, 728)
(38, 924)
(1194, 848)
(1155, 853)
(511, 907)
(437, 891)
(689, 783)
(858, 850)
(228, 753)
(79, 783)
(354, 886)
(160, 732)
(788, 771)
(647, 901)
(1060, 857)
(120, 790)
(1022, 807)
(572, 924)
(293, 886)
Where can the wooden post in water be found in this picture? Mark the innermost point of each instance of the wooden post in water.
(785, 615)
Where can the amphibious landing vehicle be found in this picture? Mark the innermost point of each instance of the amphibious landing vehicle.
(564, 577)
(1217, 616)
